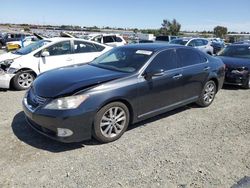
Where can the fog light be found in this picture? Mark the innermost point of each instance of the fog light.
(64, 132)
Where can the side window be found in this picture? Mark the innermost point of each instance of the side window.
(165, 60)
(205, 42)
(188, 57)
(99, 48)
(98, 39)
(118, 39)
(108, 39)
(84, 47)
(61, 48)
(192, 43)
(199, 42)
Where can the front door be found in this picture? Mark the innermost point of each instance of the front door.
(59, 55)
(161, 91)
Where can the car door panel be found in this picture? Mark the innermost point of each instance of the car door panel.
(195, 71)
(60, 55)
(160, 91)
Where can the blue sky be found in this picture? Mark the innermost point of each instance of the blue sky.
(192, 14)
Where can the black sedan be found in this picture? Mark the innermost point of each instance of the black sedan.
(237, 60)
(124, 86)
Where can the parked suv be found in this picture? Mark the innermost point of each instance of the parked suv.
(125, 85)
(199, 43)
(108, 39)
(7, 37)
(20, 68)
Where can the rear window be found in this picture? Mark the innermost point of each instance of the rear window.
(162, 38)
(236, 51)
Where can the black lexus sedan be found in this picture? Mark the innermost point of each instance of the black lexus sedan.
(124, 86)
(237, 60)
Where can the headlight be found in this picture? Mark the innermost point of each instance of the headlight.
(7, 62)
(12, 70)
(240, 70)
(65, 103)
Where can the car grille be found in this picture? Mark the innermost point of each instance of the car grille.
(35, 100)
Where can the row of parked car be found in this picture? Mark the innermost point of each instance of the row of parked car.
(88, 89)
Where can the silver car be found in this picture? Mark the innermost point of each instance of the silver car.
(199, 43)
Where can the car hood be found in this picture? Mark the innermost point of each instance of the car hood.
(69, 80)
(8, 56)
(233, 62)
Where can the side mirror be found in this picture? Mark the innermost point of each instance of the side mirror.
(45, 54)
(153, 73)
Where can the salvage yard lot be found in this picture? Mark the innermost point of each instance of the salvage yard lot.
(188, 147)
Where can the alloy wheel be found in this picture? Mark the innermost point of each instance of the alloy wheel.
(209, 93)
(113, 122)
(25, 80)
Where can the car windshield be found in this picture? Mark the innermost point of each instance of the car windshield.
(236, 51)
(179, 41)
(30, 48)
(127, 60)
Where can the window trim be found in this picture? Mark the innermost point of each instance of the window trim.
(142, 70)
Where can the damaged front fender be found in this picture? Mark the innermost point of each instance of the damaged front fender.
(5, 79)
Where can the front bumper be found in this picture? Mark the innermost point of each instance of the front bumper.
(47, 122)
(236, 79)
(5, 80)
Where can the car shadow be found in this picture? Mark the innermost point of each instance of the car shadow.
(161, 116)
(232, 87)
(26, 134)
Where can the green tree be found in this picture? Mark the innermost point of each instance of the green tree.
(170, 27)
(220, 31)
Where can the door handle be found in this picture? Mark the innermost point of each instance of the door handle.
(206, 68)
(69, 59)
(177, 76)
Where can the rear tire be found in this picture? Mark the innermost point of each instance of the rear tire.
(111, 122)
(23, 80)
(208, 94)
(247, 84)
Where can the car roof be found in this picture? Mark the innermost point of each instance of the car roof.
(58, 39)
(152, 46)
(243, 44)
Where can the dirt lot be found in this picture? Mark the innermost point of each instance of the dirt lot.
(188, 147)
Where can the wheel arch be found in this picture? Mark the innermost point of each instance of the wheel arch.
(22, 70)
(125, 102)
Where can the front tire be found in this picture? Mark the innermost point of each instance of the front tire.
(111, 122)
(23, 80)
(247, 83)
(208, 94)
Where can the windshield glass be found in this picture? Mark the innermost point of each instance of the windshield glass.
(30, 48)
(236, 51)
(179, 41)
(127, 60)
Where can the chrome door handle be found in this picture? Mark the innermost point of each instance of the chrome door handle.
(177, 76)
(69, 59)
(206, 68)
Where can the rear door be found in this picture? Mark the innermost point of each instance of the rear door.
(60, 55)
(195, 71)
(159, 92)
(85, 51)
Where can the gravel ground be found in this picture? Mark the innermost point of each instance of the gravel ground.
(187, 147)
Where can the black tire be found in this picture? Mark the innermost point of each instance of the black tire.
(1, 45)
(110, 124)
(207, 97)
(27, 77)
(247, 83)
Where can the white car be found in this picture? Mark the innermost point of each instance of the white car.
(199, 43)
(20, 68)
(108, 39)
(13, 45)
